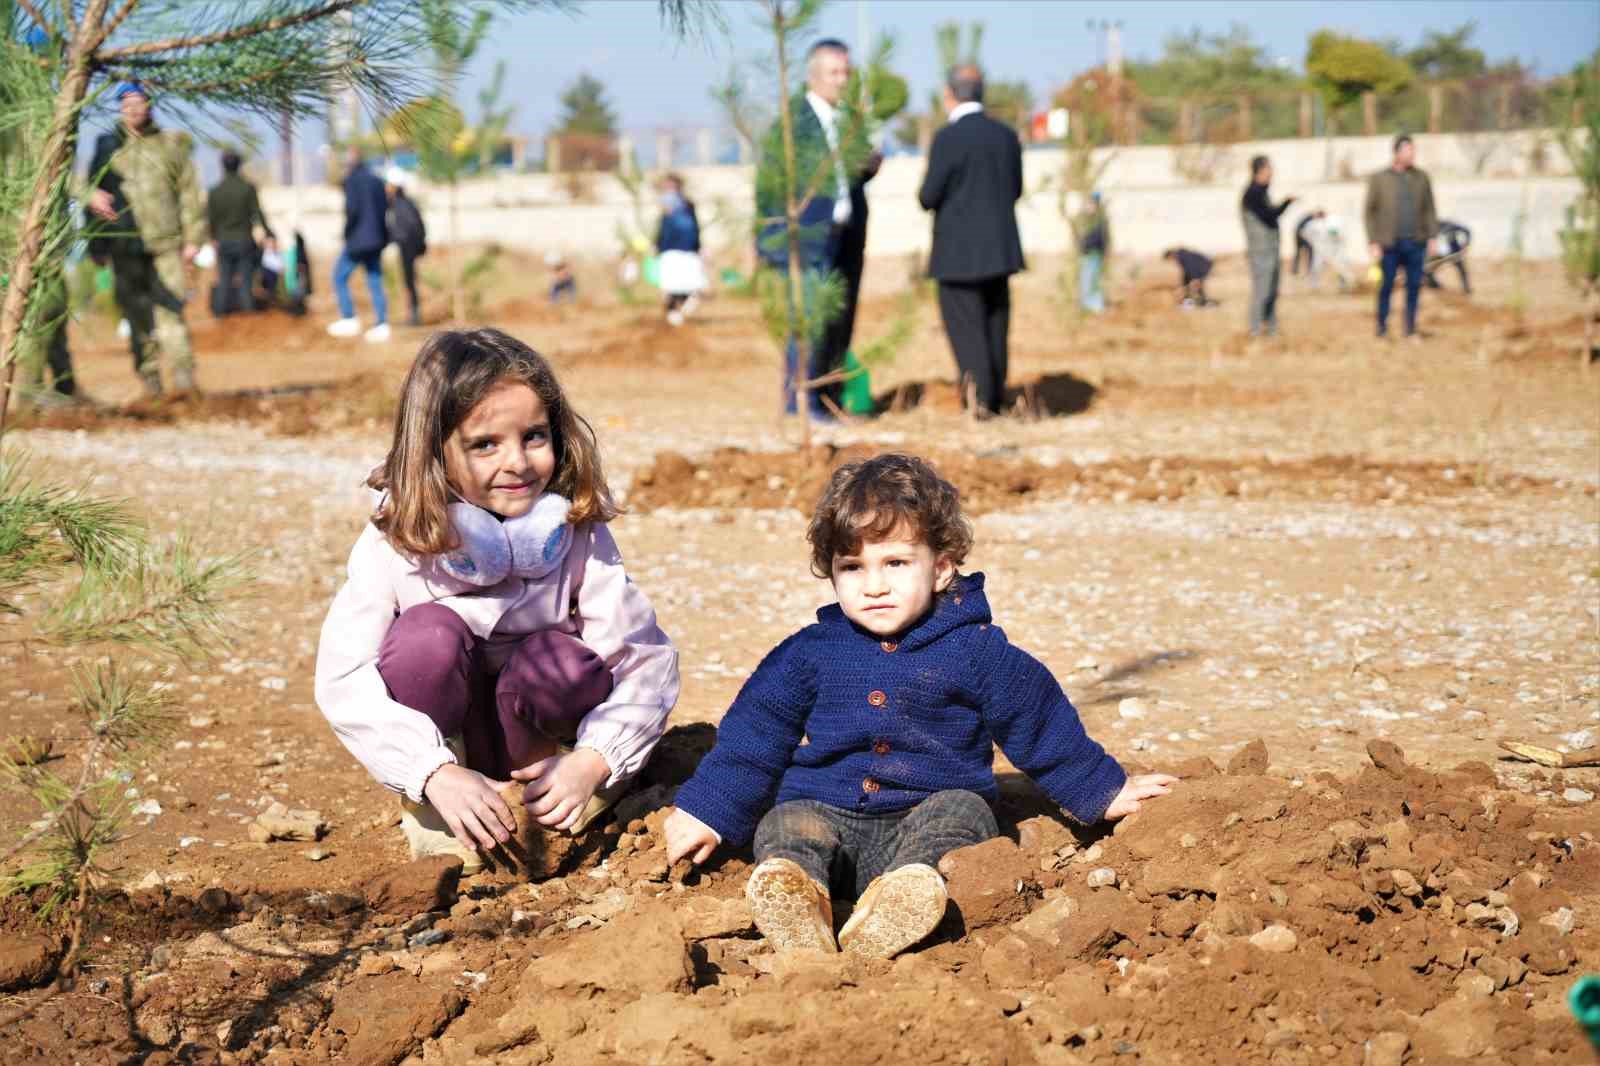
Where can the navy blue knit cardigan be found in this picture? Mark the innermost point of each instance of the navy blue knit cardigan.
(837, 715)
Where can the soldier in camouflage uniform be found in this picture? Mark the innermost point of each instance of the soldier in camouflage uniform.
(153, 222)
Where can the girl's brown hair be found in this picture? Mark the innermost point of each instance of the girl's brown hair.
(453, 372)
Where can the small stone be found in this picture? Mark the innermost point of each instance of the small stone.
(1103, 877)
(1474, 986)
(1091, 854)
(316, 854)
(1577, 795)
(1232, 820)
(1387, 1048)
(1187, 841)
(1275, 938)
(429, 937)
(1406, 883)
(1132, 708)
(1561, 920)
(1387, 756)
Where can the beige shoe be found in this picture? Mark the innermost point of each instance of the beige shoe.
(895, 912)
(427, 834)
(792, 911)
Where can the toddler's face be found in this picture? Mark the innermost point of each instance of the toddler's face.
(502, 455)
(886, 586)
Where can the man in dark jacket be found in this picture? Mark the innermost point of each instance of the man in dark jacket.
(1262, 247)
(234, 212)
(1401, 224)
(365, 235)
(828, 136)
(973, 182)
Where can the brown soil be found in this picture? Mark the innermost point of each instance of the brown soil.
(1331, 548)
(735, 478)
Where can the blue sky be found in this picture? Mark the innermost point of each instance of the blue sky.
(653, 81)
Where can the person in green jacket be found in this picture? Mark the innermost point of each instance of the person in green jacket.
(152, 221)
(1401, 225)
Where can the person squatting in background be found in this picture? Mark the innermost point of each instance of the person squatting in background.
(861, 750)
(1194, 268)
(487, 621)
(1401, 224)
(409, 234)
(1263, 247)
(683, 275)
(1305, 245)
(1457, 238)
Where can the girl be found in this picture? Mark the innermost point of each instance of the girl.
(683, 275)
(486, 599)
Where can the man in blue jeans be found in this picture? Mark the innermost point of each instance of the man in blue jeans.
(1401, 224)
(366, 202)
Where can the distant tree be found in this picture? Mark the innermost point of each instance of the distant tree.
(1201, 64)
(585, 109)
(1445, 54)
(1580, 239)
(1342, 68)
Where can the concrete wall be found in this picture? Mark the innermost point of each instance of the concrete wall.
(1153, 206)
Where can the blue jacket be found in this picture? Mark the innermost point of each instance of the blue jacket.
(834, 714)
(680, 230)
(365, 204)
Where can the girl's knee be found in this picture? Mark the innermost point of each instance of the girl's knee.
(427, 641)
(552, 680)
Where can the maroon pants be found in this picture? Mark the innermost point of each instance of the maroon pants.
(433, 663)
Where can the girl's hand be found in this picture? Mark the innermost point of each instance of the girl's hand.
(688, 835)
(1147, 786)
(471, 806)
(558, 787)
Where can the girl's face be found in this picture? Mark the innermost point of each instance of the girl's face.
(503, 454)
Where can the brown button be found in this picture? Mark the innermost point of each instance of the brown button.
(877, 698)
(869, 785)
(889, 645)
(881, 748)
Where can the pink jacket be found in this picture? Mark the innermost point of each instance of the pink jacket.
(589, 597)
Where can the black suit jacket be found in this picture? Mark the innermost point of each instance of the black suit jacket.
(973, 183)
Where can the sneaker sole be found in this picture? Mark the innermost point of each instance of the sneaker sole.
(904, 910)
(783, 903)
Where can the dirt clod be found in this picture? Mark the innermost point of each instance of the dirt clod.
(28, 961)
(1250, 759)
(427, 884)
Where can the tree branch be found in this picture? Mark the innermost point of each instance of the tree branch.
(33, 13)
(115, 23)
(238, 33)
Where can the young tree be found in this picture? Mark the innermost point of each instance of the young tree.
(1580, 240)
(789, 176)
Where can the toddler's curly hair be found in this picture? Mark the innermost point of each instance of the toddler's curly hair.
(875, 498)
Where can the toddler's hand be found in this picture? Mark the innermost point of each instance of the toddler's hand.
(688, 835)
(558, 787)
(470, 805)
(1147, 786)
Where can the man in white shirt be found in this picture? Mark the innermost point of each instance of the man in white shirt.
(834, 220)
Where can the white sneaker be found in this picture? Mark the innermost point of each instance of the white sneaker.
(674, 318)
(378, 334)
(345, 327)
(896, 911)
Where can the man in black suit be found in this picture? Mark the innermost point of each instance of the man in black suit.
(973, 182)
(828, 135)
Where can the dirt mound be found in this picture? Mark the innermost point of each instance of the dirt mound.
(363, 401)
(1244, 919)
(989, 481)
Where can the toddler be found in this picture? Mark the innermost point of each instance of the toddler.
(861, 750)
(487, 601)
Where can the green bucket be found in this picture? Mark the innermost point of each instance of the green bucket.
(857, 399)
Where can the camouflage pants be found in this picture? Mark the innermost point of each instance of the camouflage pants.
(46, 344)
(150, 292)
